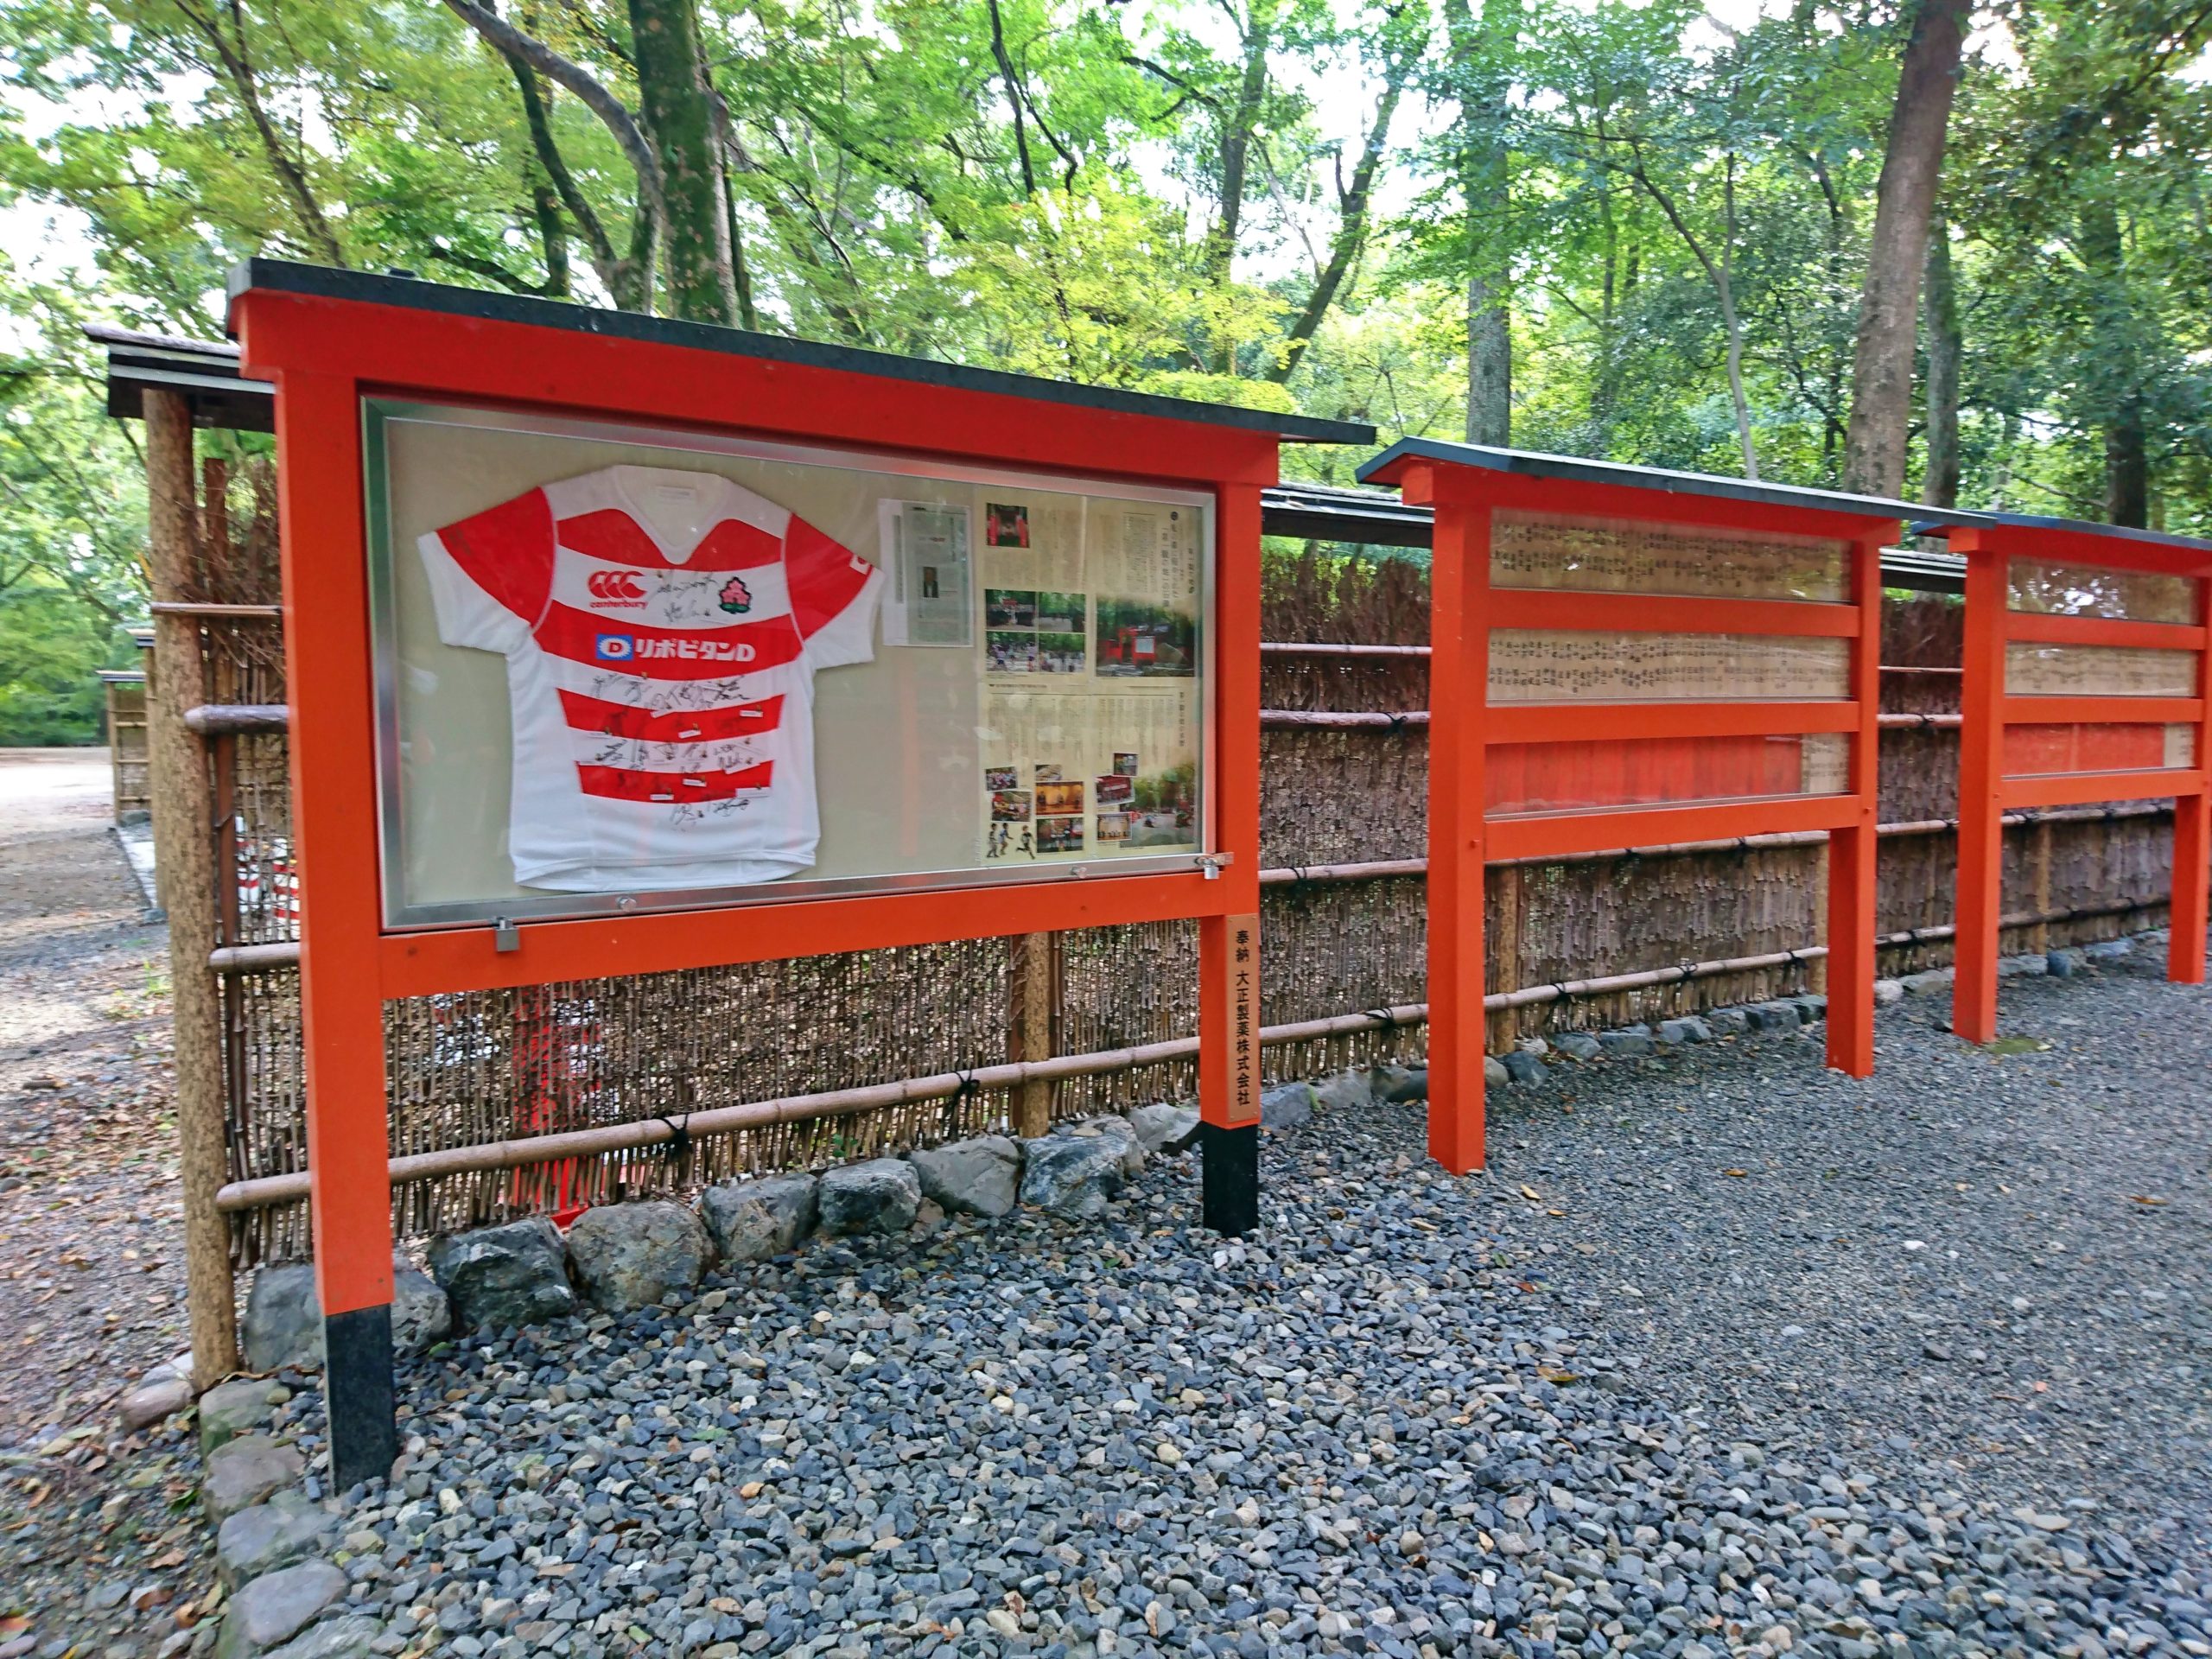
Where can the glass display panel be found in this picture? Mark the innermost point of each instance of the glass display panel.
(2087, 590)
(2045, 751)
(1555, 665)
(1525, 778)
(622, 668)
(1613, 555)
(2033, 669)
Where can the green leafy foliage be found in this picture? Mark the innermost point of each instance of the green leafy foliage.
(1280, 203)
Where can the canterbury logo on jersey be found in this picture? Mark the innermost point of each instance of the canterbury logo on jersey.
(615, 590)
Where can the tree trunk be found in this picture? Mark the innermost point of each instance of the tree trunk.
(1946, 351)
(678, 112)
(2127, 463)
(1725, 285)
(1881, 367)
(1486, 184)
(1605, 381)
(1236, 153)
(184, 809)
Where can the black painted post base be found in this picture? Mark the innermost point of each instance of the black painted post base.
(1229, 1178)
(357, 1391)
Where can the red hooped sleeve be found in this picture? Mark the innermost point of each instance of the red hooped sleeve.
(492, 573)
(833, 594)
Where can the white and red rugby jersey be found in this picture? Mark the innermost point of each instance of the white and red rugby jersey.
(662, 631)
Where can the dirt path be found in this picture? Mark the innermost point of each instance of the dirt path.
(91, 1271)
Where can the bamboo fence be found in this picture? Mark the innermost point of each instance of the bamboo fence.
(796, 1063)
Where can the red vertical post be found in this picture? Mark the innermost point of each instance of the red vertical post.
(1851, 849)
(2187, 918)
(1228, 944)
(1459, 694)
(335, 833)
(1979, 904)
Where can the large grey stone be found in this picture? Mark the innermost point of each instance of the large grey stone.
(1728, 1022)
(1887, 991)
(1524, 1067)
(1407, 1085)
(2110, 949)
(881, 1196)
(289, 1527)
(2059, 964)
(230, 1409)
(246, 1472)
(1633, 1043)
(1073, 1177)
(351, 1637)
(1165, 1127)
(630, 1256)
(1344, 1091)
(421, 1315)
(752, 1221)
(1777, 1016)
(981, 1177)
(284, 1322)
(512, 1275)
(1117, 1130)
(277, 1606)
(1578, 1045)
(1495, 1075)
(153, 1400)
(1287, 1106)
(284, 1317)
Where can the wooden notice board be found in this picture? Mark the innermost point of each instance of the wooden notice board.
(1621, 657)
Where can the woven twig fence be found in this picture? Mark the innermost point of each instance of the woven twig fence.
(486, 1066)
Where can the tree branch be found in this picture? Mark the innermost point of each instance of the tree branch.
(611, 111)
(240, 69)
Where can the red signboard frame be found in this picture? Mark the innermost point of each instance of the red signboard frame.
(1986, 793)
(330, 340)
(1466, 485)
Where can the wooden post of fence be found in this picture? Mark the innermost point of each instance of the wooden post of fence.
(1504, 912)
(1033, 995)
(184, 846)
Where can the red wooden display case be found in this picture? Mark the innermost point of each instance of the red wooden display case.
(328, 339)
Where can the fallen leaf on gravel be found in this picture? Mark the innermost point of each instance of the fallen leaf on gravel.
(1736, 1171)
(2138, 1197)
(1530, 1193)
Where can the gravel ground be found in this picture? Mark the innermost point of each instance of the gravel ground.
(92, 1274)
(1997, 1261)
(1615, 1395)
